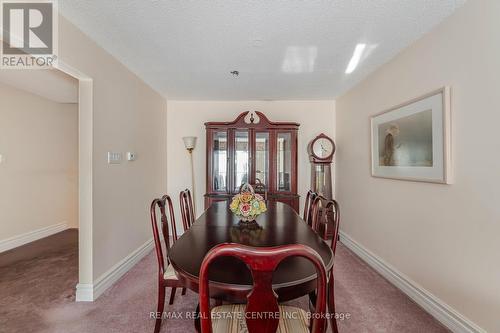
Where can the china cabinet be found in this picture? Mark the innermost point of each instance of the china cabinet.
(252, 149)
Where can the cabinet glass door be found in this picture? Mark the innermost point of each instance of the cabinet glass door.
(219, 161)
(262, 158)
(284, 161)
(241, 160)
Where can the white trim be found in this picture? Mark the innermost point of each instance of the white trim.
(85, 173)
(437, 308)
(13, 242)
(84, 292)
(90, 292)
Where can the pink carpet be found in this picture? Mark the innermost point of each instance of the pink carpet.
(31, 303)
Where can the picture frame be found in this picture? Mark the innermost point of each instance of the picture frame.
(412, 141)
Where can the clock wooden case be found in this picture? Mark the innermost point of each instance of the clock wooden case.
(252, 149)
(321, 150)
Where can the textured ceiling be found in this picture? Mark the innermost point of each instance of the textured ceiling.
(282, 49)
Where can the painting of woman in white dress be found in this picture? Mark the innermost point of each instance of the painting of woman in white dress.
(412, 141)
(406, 141)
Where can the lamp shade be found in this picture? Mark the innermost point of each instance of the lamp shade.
(189, 142)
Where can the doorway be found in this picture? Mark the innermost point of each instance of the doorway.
(83, 177)
(39, 193)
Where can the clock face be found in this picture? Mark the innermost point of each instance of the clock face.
(322, 148)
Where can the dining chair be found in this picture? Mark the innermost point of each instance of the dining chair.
(260, 314)
(166, 273)
(311, 195)
(187, 210)
(323, 211)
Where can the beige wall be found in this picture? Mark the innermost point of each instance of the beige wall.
(187, 118)
(444, 237)
(127, 116)
(39, 174)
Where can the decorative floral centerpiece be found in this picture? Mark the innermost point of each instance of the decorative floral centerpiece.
(247, 205)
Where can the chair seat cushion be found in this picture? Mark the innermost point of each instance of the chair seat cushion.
(231, 319)
(169, 273)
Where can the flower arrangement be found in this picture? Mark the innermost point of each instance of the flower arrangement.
(247, 204)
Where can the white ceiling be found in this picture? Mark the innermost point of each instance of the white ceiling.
(51, 84)
(282, 49)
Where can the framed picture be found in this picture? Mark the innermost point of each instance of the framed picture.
(411, 141)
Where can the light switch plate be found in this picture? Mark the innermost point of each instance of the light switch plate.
(114, 158)
(131, 156)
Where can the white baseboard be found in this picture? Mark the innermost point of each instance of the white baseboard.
(437, 308)
(84, 292)
(13, 242)
(90, 292)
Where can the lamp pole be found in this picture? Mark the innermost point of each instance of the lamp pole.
(192, 179)
(190, 143)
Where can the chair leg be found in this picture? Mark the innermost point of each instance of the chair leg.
(197, 320)
(331, 304)
(172, 296)
(160, 307)
(183, 291)
(312, 301)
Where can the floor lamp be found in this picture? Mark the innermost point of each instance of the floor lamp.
(190, 143)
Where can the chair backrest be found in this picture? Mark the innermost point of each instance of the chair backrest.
(316, 215)
(323, 211)
(158, 208)
(187, 210)
(308, 206)
(262, 262)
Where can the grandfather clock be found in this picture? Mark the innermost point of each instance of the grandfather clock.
(321, 150)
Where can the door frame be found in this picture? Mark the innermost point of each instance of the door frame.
(84, 290)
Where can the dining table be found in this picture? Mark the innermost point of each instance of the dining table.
(229, 278)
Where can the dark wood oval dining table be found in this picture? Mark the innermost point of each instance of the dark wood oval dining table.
(230, 280)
